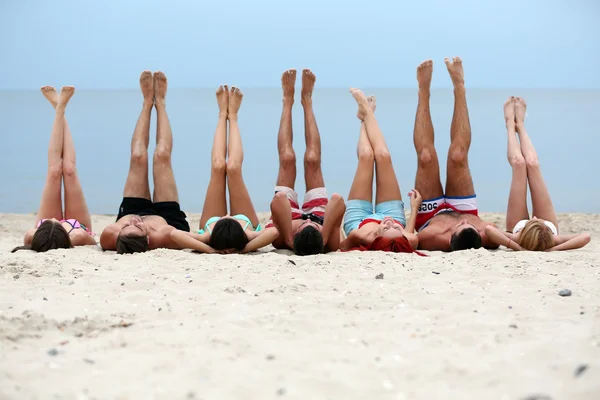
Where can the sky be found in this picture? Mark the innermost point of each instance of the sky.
(200, 44)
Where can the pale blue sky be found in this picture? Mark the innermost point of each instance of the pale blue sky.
(105, 44)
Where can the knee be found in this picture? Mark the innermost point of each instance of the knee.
(139, 158)
(383, 156)
(532, 162)
(366, 155)
(218, 165)
(55, 171)
(287, 159)
(458, 156)
(517, 162)
(162, 155)
(234, 167)
(426, 157)
(312, 160)
(69, 169)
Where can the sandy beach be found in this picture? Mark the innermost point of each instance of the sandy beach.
(83, 324)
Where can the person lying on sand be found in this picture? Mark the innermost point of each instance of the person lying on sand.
(55, 229)
(238, 231)
(447, 220)
(540, 233)
(385, 227)
(142, 223)
(314, 228)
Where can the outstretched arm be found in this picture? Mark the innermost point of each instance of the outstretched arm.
(281, 212)
(502, 238)
(357, 238)
(262, 239)
(108, 238)
(334, 213)
(194, 241)
(570, 242)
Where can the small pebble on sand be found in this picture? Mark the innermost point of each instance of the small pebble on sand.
(564, 292)
(52, 352)
(379, 276)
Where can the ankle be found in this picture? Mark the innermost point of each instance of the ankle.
(306, 101)
(223, 114)
(232, 116)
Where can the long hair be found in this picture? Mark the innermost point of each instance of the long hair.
(395, 245)
(49, 235)
(228, 234)
(536, 236)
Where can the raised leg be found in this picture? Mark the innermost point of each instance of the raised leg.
(239, 198)
(215, 201)
(386, 182)
(517, 198)
(75, 204)
(540, 198)
(427, 181)
(136, 184)
(362, 186)
(51, 201)
(313, 174)
(287, 157)
(165, 188)
(458, 176)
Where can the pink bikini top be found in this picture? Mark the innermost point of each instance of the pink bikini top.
(73, 222)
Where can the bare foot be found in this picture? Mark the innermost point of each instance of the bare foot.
(372, 102)
(50, 94)
(520, 109)
(147, 86)
(223, 99)
(160, 88)
(509, 110)
(66, 92)
(363, 103)
(288, 83)
(235, 100)
(455, 68)
(308, 84)
(424, 72)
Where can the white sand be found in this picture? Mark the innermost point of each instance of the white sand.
(177, 325)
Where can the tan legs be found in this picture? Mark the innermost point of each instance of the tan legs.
(427, 181)
(51, 201)
(517, 198)
(136, 184)
(215, 202)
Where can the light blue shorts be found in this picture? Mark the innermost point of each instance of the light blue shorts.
(359, 210)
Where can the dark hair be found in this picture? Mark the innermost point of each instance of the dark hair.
(228, 234)
(395, 245)
(308, 241)
(468, 238)
(129, 244)
(49, 235)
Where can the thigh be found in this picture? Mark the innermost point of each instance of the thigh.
(458, 179)
(136, 184)
(356, 211)
(362, 185)
(165, 187)
(51, 201)
(387, 187)
(75, 204)
(239, 198)
(215, 202)
(541, 203)
(313, 176)
(427, 180)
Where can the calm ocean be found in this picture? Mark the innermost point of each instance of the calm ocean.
(563, 124)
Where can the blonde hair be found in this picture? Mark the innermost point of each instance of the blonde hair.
(536, 236)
